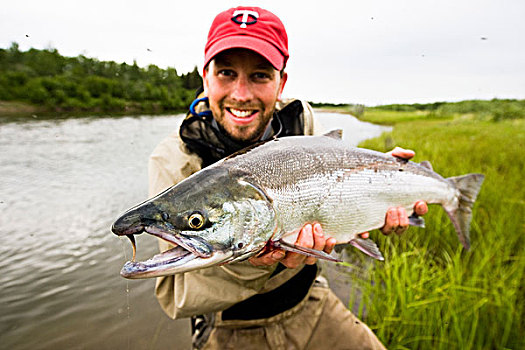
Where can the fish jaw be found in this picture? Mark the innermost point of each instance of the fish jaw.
(134, 220)
(173, 261)
(148, 218)
(236, 219)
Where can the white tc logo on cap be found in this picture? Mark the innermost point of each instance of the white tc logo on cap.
(245, 16)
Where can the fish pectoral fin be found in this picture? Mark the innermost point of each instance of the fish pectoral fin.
(368, 247)
(319, 254)
(416, 220)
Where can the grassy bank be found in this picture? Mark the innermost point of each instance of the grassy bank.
(430, 293)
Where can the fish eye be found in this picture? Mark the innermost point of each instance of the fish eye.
(196, 221)
(240, 245)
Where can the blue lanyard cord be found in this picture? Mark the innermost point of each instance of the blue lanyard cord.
(206, 113)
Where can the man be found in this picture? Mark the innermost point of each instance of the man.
(272, 301)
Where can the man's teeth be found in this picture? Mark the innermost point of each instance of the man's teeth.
(239, 113)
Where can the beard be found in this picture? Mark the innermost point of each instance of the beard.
(238, 132)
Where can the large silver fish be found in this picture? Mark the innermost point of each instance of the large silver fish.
(263, 195)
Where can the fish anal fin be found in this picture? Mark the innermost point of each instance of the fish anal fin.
(368, 247)
(319, 254)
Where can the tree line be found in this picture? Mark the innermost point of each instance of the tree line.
(495, 109)
(46, 78)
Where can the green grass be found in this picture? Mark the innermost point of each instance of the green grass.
(430, 293)
(386, 117)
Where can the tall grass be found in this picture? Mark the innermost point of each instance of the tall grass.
(430, 293)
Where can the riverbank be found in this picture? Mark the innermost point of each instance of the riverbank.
(481, 110)
(20, 110)
(430, 293)
(9, 108)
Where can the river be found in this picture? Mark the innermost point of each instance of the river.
(62, 183)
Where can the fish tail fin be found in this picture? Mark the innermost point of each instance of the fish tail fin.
(468, 186)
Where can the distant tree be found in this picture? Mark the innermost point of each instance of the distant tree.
(192, 80)
(45, 77)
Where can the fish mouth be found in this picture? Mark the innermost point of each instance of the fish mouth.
(194, 244)
(188, 253)
(158, 265)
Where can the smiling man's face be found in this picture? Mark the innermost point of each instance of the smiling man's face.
(242, 88)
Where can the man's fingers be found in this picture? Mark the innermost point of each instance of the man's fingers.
(396, 221)
(311, 236)
(402, 153)
(420, 208)
(403, 220)
(305, 239)
(391, 221)
(268, 258)
(365, 235)
(319, 243)
(330, 244)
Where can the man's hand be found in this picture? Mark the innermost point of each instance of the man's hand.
(402, 153)
(310, 236)
(396, 219)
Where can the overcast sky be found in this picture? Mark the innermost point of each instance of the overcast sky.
(367, 51)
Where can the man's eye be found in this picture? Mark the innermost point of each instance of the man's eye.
(226, 72)
(261, 76)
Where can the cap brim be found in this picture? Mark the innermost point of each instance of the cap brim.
(263, 48)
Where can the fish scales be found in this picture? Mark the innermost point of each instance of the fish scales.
(263, 195)
(346, 190)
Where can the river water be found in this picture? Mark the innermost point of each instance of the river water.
(62, 184)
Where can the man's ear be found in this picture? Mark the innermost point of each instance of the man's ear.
(205, 80)
(284, 78)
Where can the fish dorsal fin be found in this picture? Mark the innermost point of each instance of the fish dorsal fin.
(426, 164)
(335, 134)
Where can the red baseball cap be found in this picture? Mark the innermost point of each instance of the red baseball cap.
(250, 28)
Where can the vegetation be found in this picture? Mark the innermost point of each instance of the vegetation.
(430, 293)
(495, 110)
(53, 82)
(356, 110)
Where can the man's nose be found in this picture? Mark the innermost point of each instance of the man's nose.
(242, 90)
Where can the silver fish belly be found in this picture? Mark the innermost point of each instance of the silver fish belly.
(347, 190)
(266, 193)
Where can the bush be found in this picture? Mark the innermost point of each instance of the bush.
(509, 111)
(36, 92)
(44, 76)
